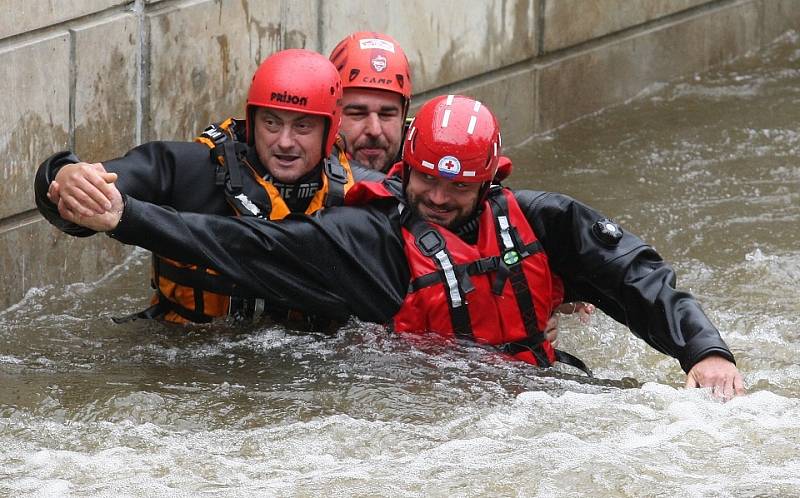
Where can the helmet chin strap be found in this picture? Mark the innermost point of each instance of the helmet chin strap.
(325, 137)
(250, 123)
(482, 193)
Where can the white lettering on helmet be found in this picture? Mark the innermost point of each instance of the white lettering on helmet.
(370, 43)
(428, 165)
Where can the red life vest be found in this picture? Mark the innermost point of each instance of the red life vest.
(499, 291)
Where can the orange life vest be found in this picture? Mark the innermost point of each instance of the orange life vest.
(187, 293)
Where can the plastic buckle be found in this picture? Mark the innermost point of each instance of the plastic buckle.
(215, 134)
(335, 171)
(430, 242)
(485, 265)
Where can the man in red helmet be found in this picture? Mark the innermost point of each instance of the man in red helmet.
(282, 161)
(376, 79)
(445, 249)
(377, 92)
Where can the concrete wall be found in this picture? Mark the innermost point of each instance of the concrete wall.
(99, 76)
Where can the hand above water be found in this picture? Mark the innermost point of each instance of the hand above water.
(584, 310)
(82, 189)
(87, 196)
(719, 374)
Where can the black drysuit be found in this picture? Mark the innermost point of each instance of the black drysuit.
(350, 261)
(183, 175)
(175, 174)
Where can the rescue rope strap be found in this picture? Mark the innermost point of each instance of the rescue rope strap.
(531, 345)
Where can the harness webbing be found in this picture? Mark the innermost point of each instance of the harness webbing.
(514, 348)
(479, 267)
(456, 281)
(198, 279)
(337, 179)
(514, 252)
(229, 162)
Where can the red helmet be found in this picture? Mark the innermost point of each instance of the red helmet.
(454, 137)
(373, 60)
(298, 80)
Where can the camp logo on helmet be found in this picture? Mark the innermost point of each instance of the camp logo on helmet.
(370, 43)
(378, 63)
(288, 98)
(377, 81)
(449, 166)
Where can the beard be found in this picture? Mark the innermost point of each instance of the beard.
(379, 162)
(454, 218)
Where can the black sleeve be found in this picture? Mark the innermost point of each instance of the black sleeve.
(629, 281)
(149, 172)
(344, 261)
(176, 174)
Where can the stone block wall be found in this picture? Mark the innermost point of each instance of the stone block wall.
(100, 76)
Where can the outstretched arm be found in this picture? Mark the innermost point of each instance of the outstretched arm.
(630, 282)
(177, 174)
(346, 261)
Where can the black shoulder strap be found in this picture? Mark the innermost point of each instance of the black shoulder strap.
(233, 166)
(229, 174)
(337, 179)
(226, 147)
(456, 281)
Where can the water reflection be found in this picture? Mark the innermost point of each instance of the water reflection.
(705, 168)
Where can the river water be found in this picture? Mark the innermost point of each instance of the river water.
(706, 168)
